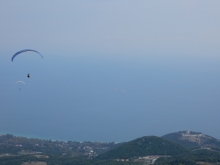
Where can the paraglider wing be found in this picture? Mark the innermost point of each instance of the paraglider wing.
(19, 82)
(25, 50)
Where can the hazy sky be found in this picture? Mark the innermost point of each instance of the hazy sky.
(112, 70)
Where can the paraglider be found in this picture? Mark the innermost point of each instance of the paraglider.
(25, 50)
(22, 51)
(20, 82)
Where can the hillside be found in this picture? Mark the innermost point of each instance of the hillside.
(198, 157)
(145, 150)
(192, 140)
(148, 145)
(15, 145)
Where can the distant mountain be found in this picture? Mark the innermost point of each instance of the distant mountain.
(192, 140)
(147, 145)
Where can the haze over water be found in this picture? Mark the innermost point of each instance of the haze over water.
(112, 70)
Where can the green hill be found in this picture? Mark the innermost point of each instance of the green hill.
(192, 140)
(148, 149)
(197, 157)
(147, 145)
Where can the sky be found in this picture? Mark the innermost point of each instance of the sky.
(111, 70)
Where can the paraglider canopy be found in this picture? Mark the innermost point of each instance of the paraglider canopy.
(25, 50)
(20, 82)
